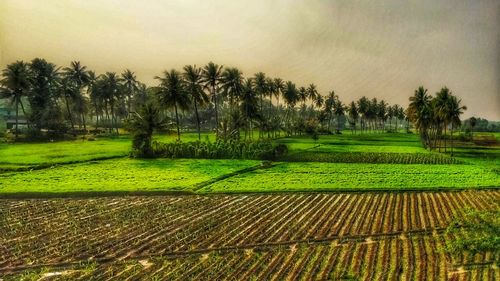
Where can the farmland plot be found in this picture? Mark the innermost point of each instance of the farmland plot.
(289, 236)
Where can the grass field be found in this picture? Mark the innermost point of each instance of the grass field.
(355, 176)
(29, 155)
(121, 175)
(333, 163)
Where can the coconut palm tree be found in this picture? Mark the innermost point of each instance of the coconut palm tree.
(260, 87)
(211, 77)
(194, 88)
(249, 105)
(419, 112)
(319, 101)
(15, 85)
(353, 115)
(312, 93)
(142, 124)
(76, 77)
(303, 95)
(338, 110)
(232, 85)
(130, 84)
(363, 109)
(279, 88)
(172, 93)
(455, 110)
(110, 95)
(442, 109)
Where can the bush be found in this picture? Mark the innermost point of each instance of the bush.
(231, 149)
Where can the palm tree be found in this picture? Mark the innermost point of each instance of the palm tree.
(312, 92)
(329, 105)
(249, 105)
(279, 88)
(211, 77)
(260, 85)
(172, 93)
(319, 101)
(43, 94)
(443, 108)
(419, 112)
(130, 84)
(338, 109)
(303, 95)
(232, 85)
(353, 115)
(363, 106)
(110, 95)
(76, 77)
(142, 125)
(456, 109)
(15, 85)
(192, 76)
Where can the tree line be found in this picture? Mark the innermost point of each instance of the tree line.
(213, 98)
(432, 116)
(57, 100)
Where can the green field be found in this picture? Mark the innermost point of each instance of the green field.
(333, 163)
(121, 175)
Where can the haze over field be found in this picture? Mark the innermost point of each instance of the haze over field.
(374, 48)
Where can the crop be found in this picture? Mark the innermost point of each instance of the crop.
(288, 236)
(121, 175)
(356, 176)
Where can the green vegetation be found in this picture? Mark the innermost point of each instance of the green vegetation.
(121, 175)
(22, 156)
(475, 232)
(350, 162)
(340, 176)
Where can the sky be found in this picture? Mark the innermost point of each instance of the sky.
(383, 48)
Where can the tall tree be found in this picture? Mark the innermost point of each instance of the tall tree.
(43, 96)
(15, 85)
(110, 95)
(249, 105)
(419, 112)
(142, 124)
(353, 115)
(76, 77)
(194, 88)
(172, 93)
(442, 111)
(211, 77)
(456, 109)
(130, 84)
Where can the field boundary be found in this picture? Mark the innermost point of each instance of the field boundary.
(191, 192)
(28, 168)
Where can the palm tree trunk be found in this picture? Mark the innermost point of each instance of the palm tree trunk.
(452, 140)
(17, 117)
(445, 137)
(197, 119)
(84, 125)
(216, 113)
(69, 113)
(177, 122)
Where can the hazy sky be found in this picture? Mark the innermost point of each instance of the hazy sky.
(383, 48)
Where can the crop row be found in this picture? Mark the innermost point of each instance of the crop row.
(371, 157)
(66, 230)
(412, 258)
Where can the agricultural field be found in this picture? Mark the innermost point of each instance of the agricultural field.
(121, 175)
(27, 156)
(333, 163)
(362, 236)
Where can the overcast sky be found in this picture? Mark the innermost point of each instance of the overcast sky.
(383, 48)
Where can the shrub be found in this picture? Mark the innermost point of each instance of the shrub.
(230, 149)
